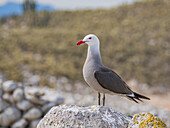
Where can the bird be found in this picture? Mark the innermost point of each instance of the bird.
(103, 79)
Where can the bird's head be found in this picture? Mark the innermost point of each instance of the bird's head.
(90, 40)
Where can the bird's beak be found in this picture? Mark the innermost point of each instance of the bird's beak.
(81, 42)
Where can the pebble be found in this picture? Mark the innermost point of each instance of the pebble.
(22, 123)
(24, 105)
(9, 116)
(59, 100)
(18, 94)
(37, 101)
(1, 92)
(47, 107)
(3, 105)
(7, 97)
(9, 86)
(33, 114)
(34, 123)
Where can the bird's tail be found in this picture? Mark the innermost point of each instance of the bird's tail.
(137, 97)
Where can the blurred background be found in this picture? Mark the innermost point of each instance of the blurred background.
(41, 63)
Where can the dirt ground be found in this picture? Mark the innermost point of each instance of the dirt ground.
(161, 100)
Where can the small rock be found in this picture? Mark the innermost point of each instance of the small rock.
(36, 94)
(59, 101)
(33, 114)
(21, 85)
(34, 80)
(24, 105)
(34, 123)
(37, 101)
(3, 105)
(7, 97)
(9, 116)
(47, 107)
(9, 86)
(18, 94)
(1, 92)
(147, 120)
(22, 123)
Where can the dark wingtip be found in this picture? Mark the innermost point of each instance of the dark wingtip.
(141, 96)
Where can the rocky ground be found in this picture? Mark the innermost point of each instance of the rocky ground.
(79, 93)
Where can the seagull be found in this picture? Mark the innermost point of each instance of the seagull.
(101, 78)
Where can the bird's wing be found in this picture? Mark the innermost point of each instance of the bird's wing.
(109, 80)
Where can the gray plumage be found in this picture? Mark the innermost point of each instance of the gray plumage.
(101, 78)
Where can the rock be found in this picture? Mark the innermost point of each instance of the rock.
(36, 94)
(22, 123)
(9, 116)
(34, 80)
(18, 94)
(3, 105)
(9, 86)
(59, 101)
(34, 123)
(1, 79)
(78, 116)
(37, 101)
(21, 85)
(1, 92)
(33, 114)
(146, 120)
(7, 97)
(24, 105)
(47, 107)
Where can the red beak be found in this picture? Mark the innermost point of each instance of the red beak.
(81, 42)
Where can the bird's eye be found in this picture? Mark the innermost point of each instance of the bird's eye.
(89, 37)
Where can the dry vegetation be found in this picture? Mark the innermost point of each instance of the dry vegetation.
(135, 42)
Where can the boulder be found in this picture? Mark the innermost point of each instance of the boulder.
(33, 114)
(79, 116)
(146, 120)
(18, 94)
(24, 105)
(9, 116)
(9, 86)
(22, 123)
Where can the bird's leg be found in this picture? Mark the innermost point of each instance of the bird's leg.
(98, 98)
(103, 99)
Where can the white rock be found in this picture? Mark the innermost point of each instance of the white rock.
(37, 101)
(9, 116)
(18, 94)
(7, 97)
(33, 114)
(83, 117)
(34, 80)
(22, 123)
(9, 86)
(24, 105)
(47, 107)
(3, 105)
(34, 123)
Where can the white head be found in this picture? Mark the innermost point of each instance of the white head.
(90, 40)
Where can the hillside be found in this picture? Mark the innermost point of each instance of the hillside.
(135, 42)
